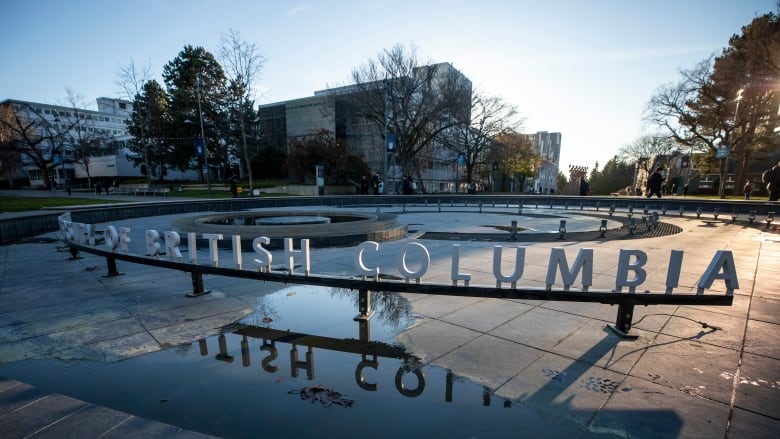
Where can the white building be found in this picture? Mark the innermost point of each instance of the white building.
(548, 145)
(108, 124)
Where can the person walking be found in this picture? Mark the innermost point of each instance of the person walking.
(654, 183)
(772, 179)
(584, 187)
(748, 189)
(375, 183)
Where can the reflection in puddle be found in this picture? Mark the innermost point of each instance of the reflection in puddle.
(247, 381)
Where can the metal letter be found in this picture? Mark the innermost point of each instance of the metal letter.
(456, 276)
(213, 249)
(172, 241)
(624, 265)
(424, 263)
(673, 274)
(723, 260)
(289, 255)
(265, 257)
(519, 266)
(584, 262)
(358, 258)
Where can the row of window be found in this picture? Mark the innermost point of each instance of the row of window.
(64, 127)
(63, 113)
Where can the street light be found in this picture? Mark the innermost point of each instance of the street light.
(202, 136)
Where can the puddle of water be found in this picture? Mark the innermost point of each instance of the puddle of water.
(246, 382)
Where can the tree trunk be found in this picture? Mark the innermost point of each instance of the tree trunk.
(740, 171)
(247, 158)
(722, 176)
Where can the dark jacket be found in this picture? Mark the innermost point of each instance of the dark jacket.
(655, 182)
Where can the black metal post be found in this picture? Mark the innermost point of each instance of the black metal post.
(622, 327)
(197, 285)
(112, 271)
(364, 305)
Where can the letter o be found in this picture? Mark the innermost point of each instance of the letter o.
(399, 382)
(112, 238)
(426, 261)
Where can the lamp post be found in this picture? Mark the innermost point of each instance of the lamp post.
(203, 137)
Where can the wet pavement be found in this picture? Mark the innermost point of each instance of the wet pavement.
(694, 371)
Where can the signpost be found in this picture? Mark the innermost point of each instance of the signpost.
(320, 172)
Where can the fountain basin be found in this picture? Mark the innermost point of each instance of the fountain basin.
(322, 228)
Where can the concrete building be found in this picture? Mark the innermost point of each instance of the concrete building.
(548, 145)
(107, 125)
(326, 110)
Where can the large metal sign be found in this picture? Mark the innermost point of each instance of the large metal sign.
(412, 262)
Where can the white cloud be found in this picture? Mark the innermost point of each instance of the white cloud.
(299, 9)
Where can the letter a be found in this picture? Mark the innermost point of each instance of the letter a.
(721, 267)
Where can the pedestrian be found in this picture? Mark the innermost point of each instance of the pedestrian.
(771, 177)
(584, 186)
(233, 187)
(375, 183)
(364, 186)
(380, 187)
(748, 189)
(406, 185)
(654, 183)
(67, 187)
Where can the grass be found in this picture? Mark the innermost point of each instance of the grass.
(23, 204)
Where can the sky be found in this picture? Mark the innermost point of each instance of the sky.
(584, 68)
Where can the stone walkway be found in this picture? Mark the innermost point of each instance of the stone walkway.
(694, 371)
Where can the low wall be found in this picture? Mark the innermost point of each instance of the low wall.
(310, 190)
(17, 227)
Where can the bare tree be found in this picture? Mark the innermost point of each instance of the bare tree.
(243, 64)
(131, 80)
(680, 109)
(10, 159)
(490, 118)
(727, 106)
(81, 135)
(648, 151)
(414, 102)
(35, 137)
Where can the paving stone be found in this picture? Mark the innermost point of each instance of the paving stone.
(645, 409)
(690, 366)
(556, 361)
(758, 385)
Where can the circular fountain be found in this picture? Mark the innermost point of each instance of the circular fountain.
(322, 228)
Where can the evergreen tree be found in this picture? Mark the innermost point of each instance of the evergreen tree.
(149, 125)
(195, 84)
